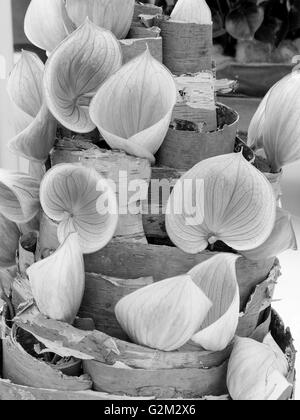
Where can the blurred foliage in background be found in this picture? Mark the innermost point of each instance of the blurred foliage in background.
(268, 21)
(249, 30)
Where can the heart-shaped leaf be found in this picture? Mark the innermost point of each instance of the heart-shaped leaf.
(133, 108)
(223, 198)
(76, 70)
(82, 201)
(243, 21)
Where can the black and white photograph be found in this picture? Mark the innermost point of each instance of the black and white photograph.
(149, 203)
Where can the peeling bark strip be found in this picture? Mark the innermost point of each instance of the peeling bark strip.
(23, 369)
(145, 9)
(196, 100)
(66, 341)
(260, 301)
(284, 339)
(143, 24)
(116, 373)
(143, 32)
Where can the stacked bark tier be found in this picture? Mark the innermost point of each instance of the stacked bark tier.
(97, 359)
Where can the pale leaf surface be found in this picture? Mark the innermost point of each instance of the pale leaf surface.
(58, 281)
(163, 315)
(19, 196)
(44, 24)
(72, 195)
(114, 15)
(133, 108)
(192, 11)
(74, 72)
(238, 201)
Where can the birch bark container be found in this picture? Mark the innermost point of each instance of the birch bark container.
(182, 149)
(143, 34)
(202, 380)
(187, 47)
(120, 370)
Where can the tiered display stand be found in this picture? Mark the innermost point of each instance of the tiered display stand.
(97, 362)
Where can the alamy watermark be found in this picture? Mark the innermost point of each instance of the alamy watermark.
(137, 196)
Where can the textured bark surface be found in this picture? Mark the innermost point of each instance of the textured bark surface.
(145, 9)
(120, 366)
(197, 100)
(167, 383)
(13, 392)
(23, 369)
(187, 47)
(184, 149)
(65, 340)
(162, 262)
(103, 293)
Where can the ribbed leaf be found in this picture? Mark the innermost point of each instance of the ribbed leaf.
(36, 141)
(19, 196)
(25, 84)
(192, 11)
(282, 238)
(256, 128)
(44, 24)
(163, 315)
(35, 126)
(115, 15)
(217, 279)
(10, 235)
(252, 373)
(73, 195)
(236, 205)
(58, 281)
(281, 138)
(74, 72)
(133, 108)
